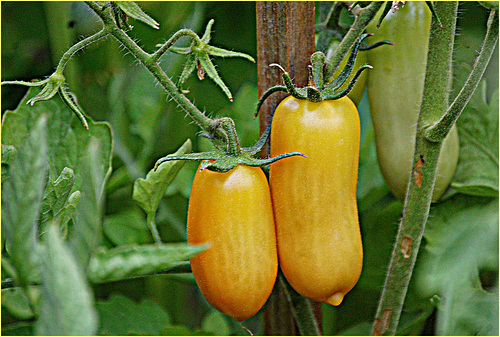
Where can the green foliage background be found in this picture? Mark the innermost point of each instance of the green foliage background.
(455, 287)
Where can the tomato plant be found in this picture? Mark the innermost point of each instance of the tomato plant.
(232, 212)
(94, 231)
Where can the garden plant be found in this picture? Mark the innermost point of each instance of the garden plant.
(140, 195)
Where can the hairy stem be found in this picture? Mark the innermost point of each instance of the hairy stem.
(78, 46)
(363, 18)
(439, 130)
(170, 42)
(150, 62)
(422, 178)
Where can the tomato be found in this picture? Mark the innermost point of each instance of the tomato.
(232, 212)
(314, 198)
(395, 87)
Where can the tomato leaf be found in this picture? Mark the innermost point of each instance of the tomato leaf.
(127, 227)
(66, 306)
(149, 192)
(477, 169)
(14, 300)
(144, 318)
(69, 144)
(57, 200)
(132, 260)
(461, 239)
(24, 188)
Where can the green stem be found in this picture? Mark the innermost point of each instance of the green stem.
(439, 130)
(422, 178)
(163, 49)
(150, 62)
(301, 309)
(153, 228)
(363, 18)
(78, 46)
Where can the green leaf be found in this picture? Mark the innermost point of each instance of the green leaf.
(467, 310)
(477, 170)
(86, 152)
(133, 10)
(132, 260)
(56, 196)
(14, 300)
(461, 239)
(67, 306)
(149, 192)
(216, 324)
(145, 318)
(21, 199)
(127, 227)
(8, 154)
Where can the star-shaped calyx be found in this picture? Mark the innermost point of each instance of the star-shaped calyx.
(52, 85)
(199, 58)
(223, 160)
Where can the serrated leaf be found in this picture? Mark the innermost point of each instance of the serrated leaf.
(68, 145)
(145, 318)
(56, 195)
(8, 154)
(149, 192)
(477, 169)
(21, 200)
(133, 10)
(132, 260)
(66, 306)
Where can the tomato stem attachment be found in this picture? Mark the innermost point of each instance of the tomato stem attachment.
(317, 90)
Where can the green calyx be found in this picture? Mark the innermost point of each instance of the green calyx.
(223, 159)
(318, 90)
(52, 85)
(199, 58)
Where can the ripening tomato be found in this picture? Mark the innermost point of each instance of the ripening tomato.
(395, 86)
(314, 198)
(232, 212)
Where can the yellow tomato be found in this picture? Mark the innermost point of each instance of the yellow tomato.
(232, 212)
(314, 198)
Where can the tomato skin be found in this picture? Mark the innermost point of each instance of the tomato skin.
(314, 198)
(395, 86)
(232, 212)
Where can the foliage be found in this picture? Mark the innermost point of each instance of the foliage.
(80, 254)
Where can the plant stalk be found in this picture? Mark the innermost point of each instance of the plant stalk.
(439, 130)
(150, 62)
(363, 18)
(422, 178)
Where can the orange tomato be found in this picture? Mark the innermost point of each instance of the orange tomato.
(232, 212)
(314, 198)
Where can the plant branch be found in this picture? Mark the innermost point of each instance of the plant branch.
(422, 178)
(439, 130)
(150, 62)
(78, 46)
(363, 18)
(170, 42)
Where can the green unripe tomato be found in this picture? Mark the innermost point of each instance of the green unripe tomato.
(395, 87)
